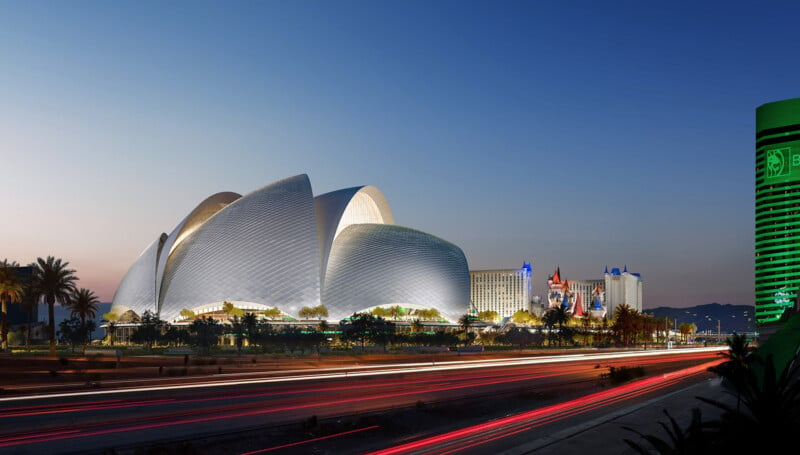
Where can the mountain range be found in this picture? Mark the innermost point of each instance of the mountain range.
(731, 318)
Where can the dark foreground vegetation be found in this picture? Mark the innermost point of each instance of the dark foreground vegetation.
(764, 415)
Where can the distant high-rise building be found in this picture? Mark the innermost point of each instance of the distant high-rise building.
(505, 291)
(622, 288)
(777, 235)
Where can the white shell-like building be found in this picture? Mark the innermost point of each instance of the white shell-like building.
(281, 247)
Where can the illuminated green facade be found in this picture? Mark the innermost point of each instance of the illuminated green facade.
(777, 247)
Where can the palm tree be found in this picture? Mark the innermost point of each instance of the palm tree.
(562, 316)
(416, 326)
(465, 321)
(550, 319)
(30, 302)
(83, 304)
(10, 291)
(624, 322)
(55, 283)
(250, 323)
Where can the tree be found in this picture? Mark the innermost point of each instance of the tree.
(416, 326)
(647, 325)
(55, 283)
(250, 325)
(10, 292)
(766, 415)
(466, 321)
(111, 319)
(320, 311)
(586, 326)
(74, 331)
(187, 314)
(625, 323)
(272, 313)
(175, 336)
(488, 316)
(395, 312)
(428, 314)
(237, 329)
(83, 304)
(549, 319)
(518, 336)
(736, 364)
(686, 329)
(662, 325)
(231, 310)
(362, 327)
(381, 312)
(306, 312)
(30, 301)
(562, 317)
(206, 333)
(522, 317)
(149, 331)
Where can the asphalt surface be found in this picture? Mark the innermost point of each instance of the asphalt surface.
(75, 424)
(606, 434)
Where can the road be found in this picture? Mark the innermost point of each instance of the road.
(94, 420)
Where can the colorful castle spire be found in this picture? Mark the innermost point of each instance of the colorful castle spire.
(578, 307)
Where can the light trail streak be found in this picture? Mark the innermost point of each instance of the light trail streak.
(293, 444)
(235, 412)
(584, 406)
(336, 373)
(510, 425)
(120, 404)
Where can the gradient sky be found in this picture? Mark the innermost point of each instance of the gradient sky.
(579, 134)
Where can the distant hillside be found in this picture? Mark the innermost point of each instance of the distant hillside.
(732, 318)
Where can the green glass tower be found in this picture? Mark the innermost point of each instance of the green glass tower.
(777, 246)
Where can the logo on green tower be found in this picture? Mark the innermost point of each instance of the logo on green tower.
(777, 162)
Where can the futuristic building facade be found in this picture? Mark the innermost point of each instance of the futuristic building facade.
(281, 247)
(777, 216)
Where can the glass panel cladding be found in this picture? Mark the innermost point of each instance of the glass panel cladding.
(777, 210)
(262, 248)
(374, 264)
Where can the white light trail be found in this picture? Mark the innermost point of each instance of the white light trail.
(375, 370)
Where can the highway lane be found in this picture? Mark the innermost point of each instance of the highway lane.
(98, 419)
(516, 430)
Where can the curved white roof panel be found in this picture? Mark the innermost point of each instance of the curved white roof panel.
(374, 264)
(279, 247)
(339, 209)
(205, 210)
(261, 248)
(137, 291)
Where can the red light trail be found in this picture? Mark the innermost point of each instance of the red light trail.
(325, 397)
(463, 438)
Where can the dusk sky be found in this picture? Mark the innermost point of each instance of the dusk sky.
(571, 134)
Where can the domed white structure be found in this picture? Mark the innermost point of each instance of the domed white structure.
(280, 247)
